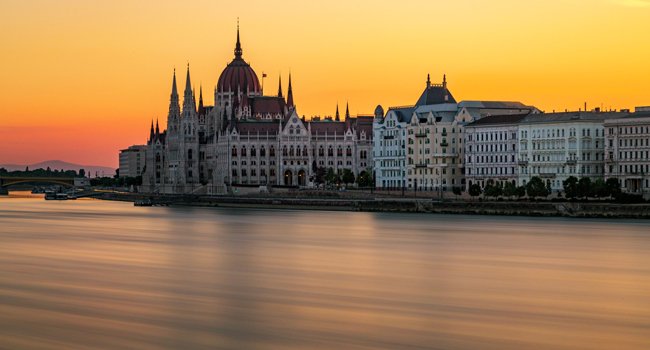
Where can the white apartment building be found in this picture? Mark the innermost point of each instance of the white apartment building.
(627, 152)
(389, 134)
(491, 150)
(555, 146)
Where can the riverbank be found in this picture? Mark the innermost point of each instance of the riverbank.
(402, 205)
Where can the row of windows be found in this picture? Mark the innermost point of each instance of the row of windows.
(493, 136)
(631, 130)
(492, 171)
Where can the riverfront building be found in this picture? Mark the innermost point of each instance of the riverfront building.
(491, 149)
(421, 147)
(248, 138)
(627, 151)
(555, 146)
(132, 160)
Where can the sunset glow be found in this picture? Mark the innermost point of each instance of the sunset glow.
(82, 79)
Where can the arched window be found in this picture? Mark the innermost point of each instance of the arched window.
(189, 154)
(243, 151)
(348, 152)
(321, 152)
(284, 151)
(291, 152)
(330, 152)
(339, 151)
(304, 151)
(234, 151)
(263, 151)
(272, 151)
(253, 152)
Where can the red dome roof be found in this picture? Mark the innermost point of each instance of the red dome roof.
(238, 75)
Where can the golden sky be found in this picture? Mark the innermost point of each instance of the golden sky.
(80, 79)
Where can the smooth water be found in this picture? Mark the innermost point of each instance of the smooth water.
(91, 274)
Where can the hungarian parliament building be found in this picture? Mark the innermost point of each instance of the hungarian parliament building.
(248, 139)
(436, 144)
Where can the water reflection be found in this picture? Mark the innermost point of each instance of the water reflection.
(94, 274)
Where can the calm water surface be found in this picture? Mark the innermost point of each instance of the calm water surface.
(90, 274)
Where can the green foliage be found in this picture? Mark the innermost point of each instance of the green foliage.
(521, 191)
(492, 189)
(457, 190)
(570, 187)
(509, 189)
(39, 173)
(82, 173)
(584, 187)
(613, 186)
(599, 188)
(364, 179)
(475, 190)
(332, 178)
(347, 177)
(536, 188)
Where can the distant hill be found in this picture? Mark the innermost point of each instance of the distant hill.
(61, 165)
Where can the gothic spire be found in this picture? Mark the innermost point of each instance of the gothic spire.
(157, 128)
(174, 95)
(188, 83)
(336, 116)
(428, 80)
(238, 50)
(201, 110)
(280, 86)
(347, 111)
(290, 94)
(151, 132)
(444, 81)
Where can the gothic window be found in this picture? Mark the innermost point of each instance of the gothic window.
(243, 151)
(253, 152)
(321, 151)
(330, 152)
(348, 152)
(339, 151)
(189, 155)
(304, 152)
(234, 151)
(284, 151)
(291, 153)
(234, 172)
(272, 152)
(263, 151)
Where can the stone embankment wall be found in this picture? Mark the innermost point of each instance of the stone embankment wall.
(406, 205)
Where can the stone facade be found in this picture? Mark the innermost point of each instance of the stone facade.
(132, 160)
(627, 152)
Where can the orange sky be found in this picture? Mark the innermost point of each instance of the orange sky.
(81, 79)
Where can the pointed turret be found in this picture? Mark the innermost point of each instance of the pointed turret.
(174, 106)
(428, 80)
(189, 104)
(238, 50)
(151, 132)
(157, 128)
(201, 108)
(444, 81)
(280, 86)
(290, 94)
(336, 116)
(347, 111)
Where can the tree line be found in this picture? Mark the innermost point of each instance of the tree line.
(574, 188)
(40, 172)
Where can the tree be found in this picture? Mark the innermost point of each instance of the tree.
(475, 190)
(509, 189)
(570, 187)
(364, 179)
(599, 188)
(584, 187)
(536, 188)
(82, 172)
(521, 191)
(492, 189)
(457, 190)
(331, 177)
(319, 177)
(613, 186)
(347, 177)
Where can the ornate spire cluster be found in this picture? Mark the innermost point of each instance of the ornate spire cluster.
(238, 50)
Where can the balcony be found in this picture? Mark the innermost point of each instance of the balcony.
(444, 133)
(547, 175)
(444, 144)
(421, 134)
(522, 163)
(389, 137)
(421, 165)
(571, 162)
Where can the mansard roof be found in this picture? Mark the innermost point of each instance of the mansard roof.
(504, 119)
(435, 94)
(328, 127)
(267, 105)
(568, 117)
(256, 127)
(403, 114)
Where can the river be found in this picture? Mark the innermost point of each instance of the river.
(91, 274)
